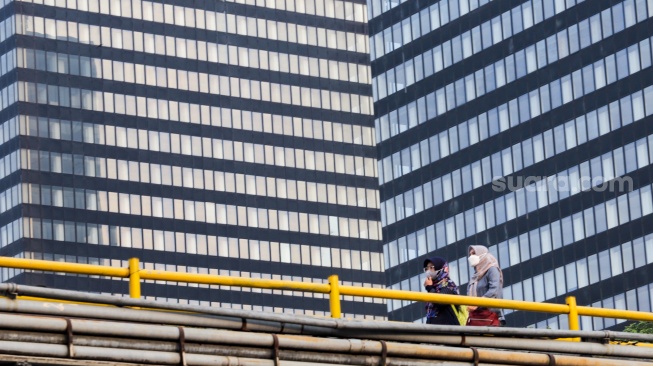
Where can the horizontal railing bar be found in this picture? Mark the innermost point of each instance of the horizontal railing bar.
(52, 266)
(233, 281)
(454, 299)
(494, 303)
(615, 313)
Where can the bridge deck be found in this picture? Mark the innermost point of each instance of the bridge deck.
(59, 332)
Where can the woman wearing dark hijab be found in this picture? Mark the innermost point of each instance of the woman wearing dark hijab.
(438, 281)
(487, 281)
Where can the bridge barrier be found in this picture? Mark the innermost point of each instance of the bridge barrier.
(333, 288)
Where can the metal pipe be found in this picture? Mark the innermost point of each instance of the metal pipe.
(302, 343)
(233, 318)
(538, 345)
(496, 356)
(34, 349)
(158, 358)
(209, 349)
(123, 355)
(412, 328)
(36, 337)
(565, 347)
(32, 360)
(167, 358)
(354, 346)
(428, 353)
(142, 316)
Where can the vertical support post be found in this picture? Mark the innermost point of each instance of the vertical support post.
(574, 323)
(134, 278)
(334, 296)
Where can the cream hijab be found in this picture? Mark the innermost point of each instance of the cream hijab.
(487, 261)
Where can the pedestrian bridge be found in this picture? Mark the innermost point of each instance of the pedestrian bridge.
(40, 326)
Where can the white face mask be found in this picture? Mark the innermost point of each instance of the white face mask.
(432, 274)
(474, 260)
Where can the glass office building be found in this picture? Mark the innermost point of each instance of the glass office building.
(524, 126)
(221, 137)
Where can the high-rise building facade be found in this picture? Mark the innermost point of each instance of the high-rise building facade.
(524, 126)
(222, 137)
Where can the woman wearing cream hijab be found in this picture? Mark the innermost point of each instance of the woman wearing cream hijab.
(487, 281)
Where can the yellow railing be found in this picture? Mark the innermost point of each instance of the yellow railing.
(333, 288)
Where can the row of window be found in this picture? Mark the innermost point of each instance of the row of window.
(524, 154)
(323, 8)
(408, 117)
(584, 272)
(604, 72)
(238, 119)
(485, 35)
(417, 25)
(531, 105)
(215, 246)
(234, 24)
(502, 118)
(184, 144)
(188, 177)
(186, 16)
(458, 8)
(199, 50)
(212, 271)
(536, 196)
(190, 81)
(581, 273)
(515, 66)
(574, 228)
(260, 90)
(199, 211)
(195, 145)
(640, 298)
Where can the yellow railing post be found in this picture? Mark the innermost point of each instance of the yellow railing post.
(334, 296)
(574, 323)
(134, 278)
